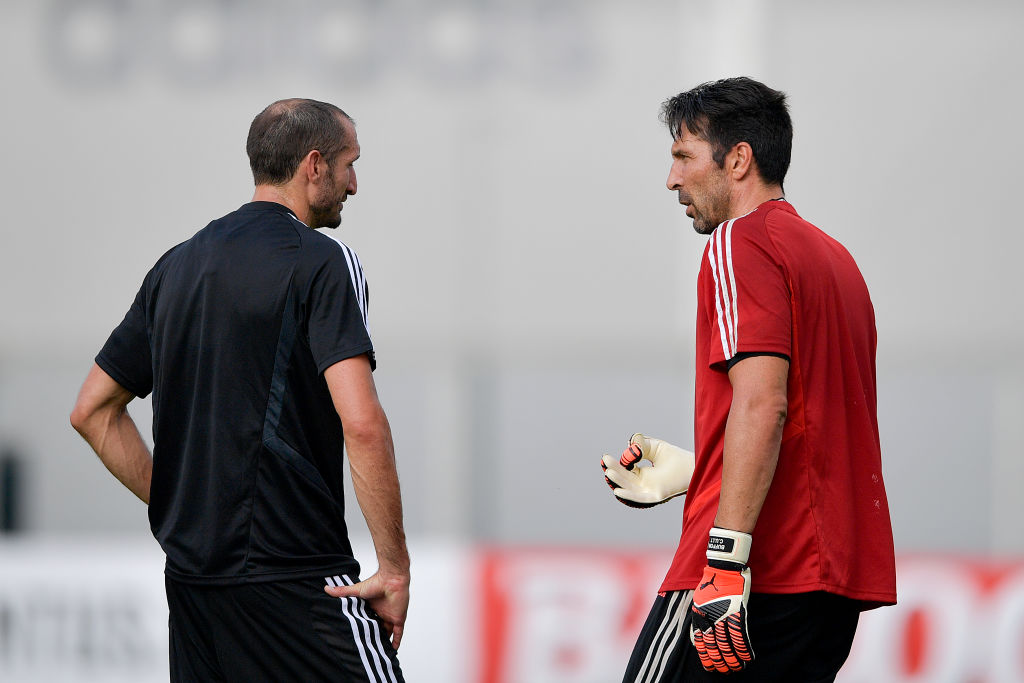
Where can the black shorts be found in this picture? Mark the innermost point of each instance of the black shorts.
(276, 631)
(796, 638)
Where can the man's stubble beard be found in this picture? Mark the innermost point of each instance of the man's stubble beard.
(718, 211)
(326, 211)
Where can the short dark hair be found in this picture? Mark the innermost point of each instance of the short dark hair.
(734, 110)
(283, 134)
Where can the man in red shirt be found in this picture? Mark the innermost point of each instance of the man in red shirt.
(786, 534)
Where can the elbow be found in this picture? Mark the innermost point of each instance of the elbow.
(780, 410)
(769, 410)
(80, 417)
(87, 418)
(367, 428)
(776, 409)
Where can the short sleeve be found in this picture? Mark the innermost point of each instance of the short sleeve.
(336, 309)
(127, 356)
(750, 302)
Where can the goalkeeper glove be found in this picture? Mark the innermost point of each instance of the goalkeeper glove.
(718, 627)
(640, 486)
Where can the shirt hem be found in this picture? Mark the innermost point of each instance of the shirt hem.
(346, 354)
(350, 568)
(872, 599)
(118, 376)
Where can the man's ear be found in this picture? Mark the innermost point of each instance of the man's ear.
(313, 166)
(740, 160)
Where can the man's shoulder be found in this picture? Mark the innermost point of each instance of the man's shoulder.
(775, 211)
(166, 258)
(763, 232)
(212, 237)
(754, 226)
(330, 247)
(779, 221)
(325, 255)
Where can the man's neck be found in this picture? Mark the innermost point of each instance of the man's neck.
(746, 199)
(279, 194)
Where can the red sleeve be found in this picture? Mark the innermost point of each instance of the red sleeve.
(748, 299)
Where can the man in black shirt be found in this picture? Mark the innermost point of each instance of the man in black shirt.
(252, 337)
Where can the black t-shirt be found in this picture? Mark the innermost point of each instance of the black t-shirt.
(232, 331)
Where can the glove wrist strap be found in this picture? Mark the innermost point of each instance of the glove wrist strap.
(727, 548)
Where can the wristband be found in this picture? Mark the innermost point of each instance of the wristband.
(728, 547)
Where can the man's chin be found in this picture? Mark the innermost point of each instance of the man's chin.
(327, 220)
(703, 227)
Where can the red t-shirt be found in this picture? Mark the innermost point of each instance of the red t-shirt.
(772, 282)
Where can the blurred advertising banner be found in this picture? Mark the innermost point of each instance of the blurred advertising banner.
(572, 616)
(83, 611)
(94, 610)
(562, 615)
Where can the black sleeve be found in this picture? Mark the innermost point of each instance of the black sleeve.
(748, 354)
(127, 356)
(336, 313)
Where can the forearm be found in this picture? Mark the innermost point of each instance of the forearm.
(112, 434)
(375, 480)
(753, 436)
(101, 416)
(371, 456)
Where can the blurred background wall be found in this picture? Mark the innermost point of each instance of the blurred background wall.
(532, 280)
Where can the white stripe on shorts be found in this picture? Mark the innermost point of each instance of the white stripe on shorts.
(666, 639)
(366, 633)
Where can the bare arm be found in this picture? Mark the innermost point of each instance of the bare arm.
(101, 416)
(753, 436)
(371, 455)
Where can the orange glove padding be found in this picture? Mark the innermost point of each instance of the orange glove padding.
(718, 626)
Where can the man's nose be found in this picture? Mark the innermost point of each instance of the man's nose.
(673, 181)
